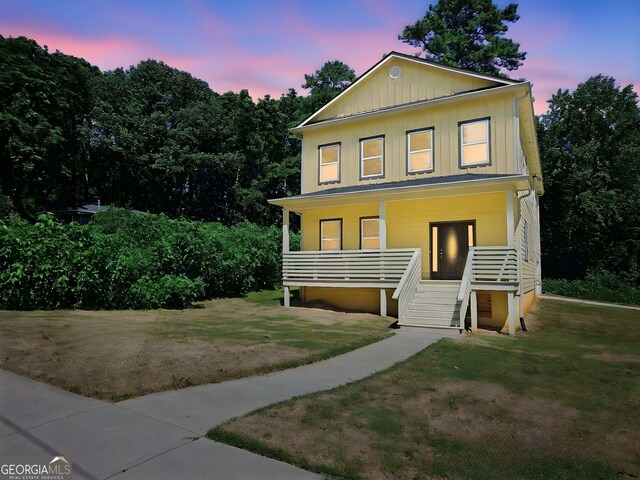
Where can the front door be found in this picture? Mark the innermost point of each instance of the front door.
(450, 244)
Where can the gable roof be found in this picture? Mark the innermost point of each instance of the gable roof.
(495, 80)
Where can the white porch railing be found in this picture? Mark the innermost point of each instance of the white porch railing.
(497, 266)
(408, 283)
(487, 268)
(346, 268)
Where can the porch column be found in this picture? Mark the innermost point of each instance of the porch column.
(474, 311)
(538, 254)
(510, 221)
(382, 215)
(285, 249)
(512, 312)
(382, 222)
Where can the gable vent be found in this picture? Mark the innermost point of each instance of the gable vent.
(395, 71)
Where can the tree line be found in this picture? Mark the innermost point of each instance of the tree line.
(150, 137)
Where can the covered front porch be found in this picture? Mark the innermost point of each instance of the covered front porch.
(435, 255)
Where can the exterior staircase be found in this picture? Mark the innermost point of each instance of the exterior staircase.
(434, 304)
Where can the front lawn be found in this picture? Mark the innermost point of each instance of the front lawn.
(114, 355)
(560, 401)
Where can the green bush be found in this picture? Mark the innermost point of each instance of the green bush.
(126, 260)
(601, 286)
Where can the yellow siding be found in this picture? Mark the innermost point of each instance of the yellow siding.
(417, 82)
(351, 299)
(408, 221)
(529, 300)
(408, 227)
(350, 215)
(443, 118)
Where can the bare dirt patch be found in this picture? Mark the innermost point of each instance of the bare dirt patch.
(113, 355)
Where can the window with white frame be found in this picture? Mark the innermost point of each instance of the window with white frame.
(474, 143)
(420, 150)
(329, 163)
(369, 233)
(331, 234)
(372, 157)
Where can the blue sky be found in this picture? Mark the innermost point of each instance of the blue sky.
(268, 46)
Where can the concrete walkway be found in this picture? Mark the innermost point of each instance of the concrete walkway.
(160, 436)
(588, 302)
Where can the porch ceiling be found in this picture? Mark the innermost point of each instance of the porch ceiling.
(454, 185)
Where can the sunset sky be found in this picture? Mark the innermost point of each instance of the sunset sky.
(267, 46)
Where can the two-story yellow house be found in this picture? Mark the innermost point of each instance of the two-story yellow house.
(420, 188)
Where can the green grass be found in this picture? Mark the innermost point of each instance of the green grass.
(115, 355)
(561, 401)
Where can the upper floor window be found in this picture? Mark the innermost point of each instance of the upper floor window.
(331, 234)
(474, 143)
(329, 163)
(372, 157)
(420, 150)
(369, 233)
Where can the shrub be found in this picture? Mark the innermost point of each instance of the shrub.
(598, 285)
(126, 260)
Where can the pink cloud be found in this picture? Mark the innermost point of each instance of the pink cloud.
(107, 52)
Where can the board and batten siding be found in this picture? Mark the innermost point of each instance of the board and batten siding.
(528, 263)
(443, 118)
(417, 82)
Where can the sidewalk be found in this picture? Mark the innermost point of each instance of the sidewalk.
(160, 436)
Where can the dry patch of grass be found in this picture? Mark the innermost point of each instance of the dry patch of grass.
(560, 401)
(114, 355)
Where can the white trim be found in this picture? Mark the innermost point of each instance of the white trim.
(395, 55)
(363, 158)
(382, 219)
(516, 137)
(510, 220)
(435, 101)
(510, 178)
(337, 162)
(285, 230)
(430, 168)
(322, 237)
(486, 122)
(363, 238)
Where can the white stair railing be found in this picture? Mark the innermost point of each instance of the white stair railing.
(465, 286)
(408, 283)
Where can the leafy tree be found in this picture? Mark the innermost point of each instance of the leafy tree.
(151, 126)
(590, 150)
(327, 82)
(467, 34)
(150, 137)
(45, 100)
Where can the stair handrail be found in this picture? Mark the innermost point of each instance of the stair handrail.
(465, 286)
(408, 283)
